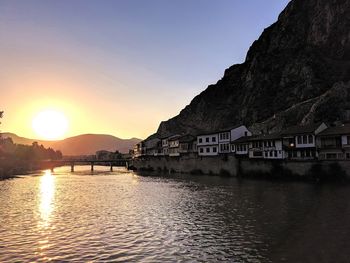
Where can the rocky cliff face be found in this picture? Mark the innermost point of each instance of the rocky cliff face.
(297, 72)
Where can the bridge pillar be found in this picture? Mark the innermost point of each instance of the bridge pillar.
(92, 166)
(111, 168)
(72, 167)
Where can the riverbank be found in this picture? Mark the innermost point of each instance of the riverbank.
(10, 168)
(229, 165)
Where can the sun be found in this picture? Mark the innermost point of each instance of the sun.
(50, 124)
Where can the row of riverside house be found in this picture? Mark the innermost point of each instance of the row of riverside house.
(314, 141)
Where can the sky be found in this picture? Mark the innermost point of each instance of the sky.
(118, 67)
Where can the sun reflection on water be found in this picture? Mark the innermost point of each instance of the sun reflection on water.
(47, 191)
(46, 206)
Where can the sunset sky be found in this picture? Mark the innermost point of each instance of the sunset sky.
(118, 67)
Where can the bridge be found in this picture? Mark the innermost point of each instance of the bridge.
(51, 164)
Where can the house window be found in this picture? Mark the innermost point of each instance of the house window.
(347, 155)
(265, 153)
(304, 139)
(224, 136)
(201, 150)
(214, 149)
(232, 147)
(213, 139)
(208, 150)
(265, 143)
(200, 140)
(207, 139)
(275, 153)
(311, 139)
(348, 137)
(273, 143)
(299, 139)
(302, 154)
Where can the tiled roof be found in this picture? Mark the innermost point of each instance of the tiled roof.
(337, 130)
(271, 136)
(187, 138)
(207, 133)
(174, 137)
(300, 129)
(245, 139)
(226, 129)
(261, 137)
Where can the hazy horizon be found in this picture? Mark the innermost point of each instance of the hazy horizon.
(122, 67)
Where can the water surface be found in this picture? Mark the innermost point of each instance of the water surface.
(124, 217)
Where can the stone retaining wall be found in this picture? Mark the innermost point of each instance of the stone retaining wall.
(230, 165)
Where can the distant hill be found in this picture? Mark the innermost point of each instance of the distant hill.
(82, 144)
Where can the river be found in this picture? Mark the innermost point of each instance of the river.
(124, 217)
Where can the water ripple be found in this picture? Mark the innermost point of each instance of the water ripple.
(123, 217)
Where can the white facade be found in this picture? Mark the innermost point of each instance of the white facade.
(305, 141)
(242, 148)
(224, 141)
(239, 132)
(345, 140)
(174, 147)
(208, 145)
(274, 150)
(226, 137)
(208, 150)
(209, 139)
(266, 149)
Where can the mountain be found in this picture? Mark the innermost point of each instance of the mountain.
(297, 72)
(82, 144)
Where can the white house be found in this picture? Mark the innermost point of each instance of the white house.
(208, 144)
(240, 146)
(334, 143)
(165, 145)
(174, 143)
(226, 136)
(151, 146)
(300, 141)
(267, 146)
(187, 144)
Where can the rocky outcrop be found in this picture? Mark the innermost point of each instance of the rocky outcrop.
(297, 72)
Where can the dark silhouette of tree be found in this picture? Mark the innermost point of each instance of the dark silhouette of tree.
(1, 115)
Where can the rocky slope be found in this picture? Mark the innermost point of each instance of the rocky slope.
(297, 72)
(84, 144)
